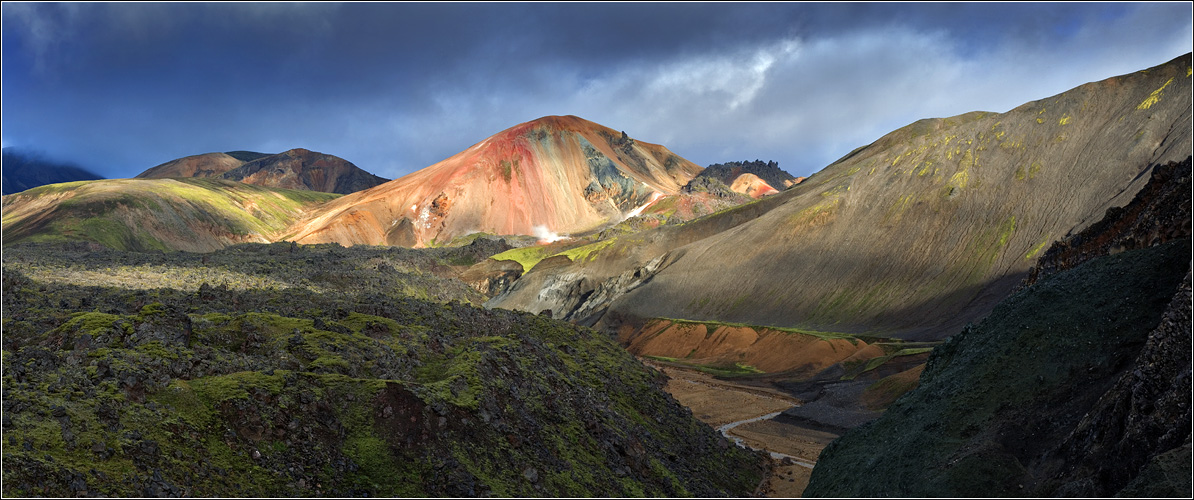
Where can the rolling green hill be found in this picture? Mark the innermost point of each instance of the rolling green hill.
(155, 214)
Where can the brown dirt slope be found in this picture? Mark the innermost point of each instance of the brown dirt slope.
(204, 165)
(303, 169)
(911, 236)
(764, 349)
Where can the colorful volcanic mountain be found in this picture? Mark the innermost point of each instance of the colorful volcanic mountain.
(554, 175)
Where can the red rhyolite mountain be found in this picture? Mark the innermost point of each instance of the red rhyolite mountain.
(556, 174)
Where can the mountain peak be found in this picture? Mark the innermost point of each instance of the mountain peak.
(296, 168)
(561, 174)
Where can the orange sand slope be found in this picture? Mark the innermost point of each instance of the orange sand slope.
(752, 186)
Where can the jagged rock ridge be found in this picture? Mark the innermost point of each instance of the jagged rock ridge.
(768, 171)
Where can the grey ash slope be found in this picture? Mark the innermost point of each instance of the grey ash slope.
(911, 236)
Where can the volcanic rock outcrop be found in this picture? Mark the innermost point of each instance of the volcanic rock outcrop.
(911, 236)
(351, 391)
(557, 174)
(294, 169)
(769, 172)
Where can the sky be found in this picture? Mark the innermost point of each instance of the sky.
(395, 87)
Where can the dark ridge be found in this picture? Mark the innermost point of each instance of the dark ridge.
(247, 155)
(24, 170)
(1160, 212)
(1077, 385)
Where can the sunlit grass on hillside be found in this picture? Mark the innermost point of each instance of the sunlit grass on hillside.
(525, 256)
(528, 257)
(719, 370)
(712, 325)
(123, 213)
(327, 268)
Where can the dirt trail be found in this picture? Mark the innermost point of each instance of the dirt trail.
(743, 413)
(727, 431)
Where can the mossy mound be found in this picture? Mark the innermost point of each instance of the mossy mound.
(280, 393)
(327, 268)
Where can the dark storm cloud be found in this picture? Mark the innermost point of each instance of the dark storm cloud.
(397, 87)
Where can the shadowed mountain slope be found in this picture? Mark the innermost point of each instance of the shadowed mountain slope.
(911, 236)
(556, 174)
(294, 169)
(1078, 385)
(23, 171)
(189, 214)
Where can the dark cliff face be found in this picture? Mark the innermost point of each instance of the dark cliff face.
(1077, 385)
(1160, 212)
(1147, 412)
(354, 390)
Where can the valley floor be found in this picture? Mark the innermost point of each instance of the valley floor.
(720, 402)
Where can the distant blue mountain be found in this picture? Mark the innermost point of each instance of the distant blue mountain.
(24, 170)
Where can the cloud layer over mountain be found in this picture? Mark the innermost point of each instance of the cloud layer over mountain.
(397, 87)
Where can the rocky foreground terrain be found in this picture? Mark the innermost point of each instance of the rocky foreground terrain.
(253, 383)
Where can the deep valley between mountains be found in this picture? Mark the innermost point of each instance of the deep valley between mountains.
(990, 304)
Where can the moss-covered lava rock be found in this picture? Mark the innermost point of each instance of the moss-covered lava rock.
(270, 392)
